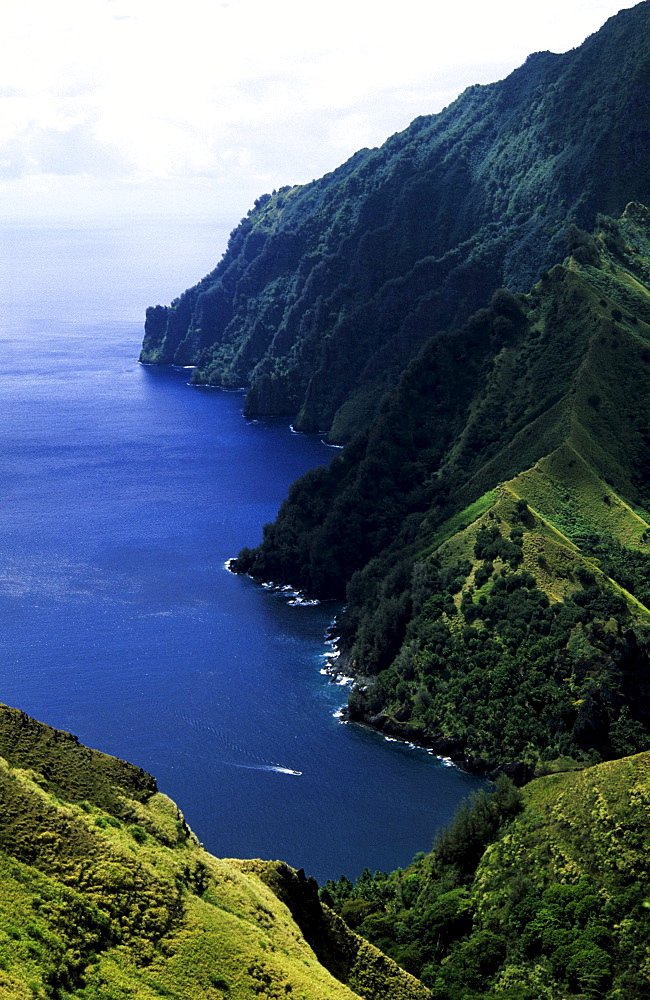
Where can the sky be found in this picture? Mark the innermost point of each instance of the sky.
(193, 108)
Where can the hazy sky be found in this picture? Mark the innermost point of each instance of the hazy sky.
(195, 107)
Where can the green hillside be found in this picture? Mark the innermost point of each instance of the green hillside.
(456, 309)
(105, 894)
(536, 896)
(489, 532)
(530, 894)
(326, 290)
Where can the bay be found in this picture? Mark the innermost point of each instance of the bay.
(123, 493)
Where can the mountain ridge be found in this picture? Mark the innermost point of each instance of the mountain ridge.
(512, 454)
(327, 290)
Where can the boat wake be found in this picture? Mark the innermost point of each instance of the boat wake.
(264, 767)
(227, 746)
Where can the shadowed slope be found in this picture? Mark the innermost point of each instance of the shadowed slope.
(326, 290)
(506, 474)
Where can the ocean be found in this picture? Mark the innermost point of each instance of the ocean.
(124, 493)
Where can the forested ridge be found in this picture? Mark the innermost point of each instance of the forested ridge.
(532, 895)
(467, 308)
(489, 532)
(326, 290)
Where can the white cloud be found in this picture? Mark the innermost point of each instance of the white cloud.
(156, 92)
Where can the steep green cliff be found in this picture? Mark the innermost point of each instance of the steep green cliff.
(541, 897)
(327, 290)
(491, 526)
(106, 894)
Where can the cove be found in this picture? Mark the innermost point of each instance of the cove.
(124, 493)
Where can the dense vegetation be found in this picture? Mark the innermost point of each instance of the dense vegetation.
(533, 896)
(488, 532)
(105, 894)
(486, 525)
(327, 290)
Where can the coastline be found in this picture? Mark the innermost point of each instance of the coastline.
(298, 599)
(395, 732)
(450, 752)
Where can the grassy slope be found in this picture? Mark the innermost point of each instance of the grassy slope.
(560, 424)
(106, 894)
(566, 884)
(553, 908)
(589, 479)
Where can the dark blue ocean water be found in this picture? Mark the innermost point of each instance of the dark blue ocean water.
(123, 493)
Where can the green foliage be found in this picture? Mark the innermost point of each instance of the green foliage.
(74, 773)
(540, 887)
(327, 290)
(98, 907)
(629, 567)
(524, 680)
(476, 823)
(480, 615)
(490, 545)
(462, 519)
(415, 915)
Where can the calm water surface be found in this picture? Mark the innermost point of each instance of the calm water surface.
(124, 491)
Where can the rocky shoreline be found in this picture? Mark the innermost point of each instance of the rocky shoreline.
(339, 671)
(443, 747)
(449, 750)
